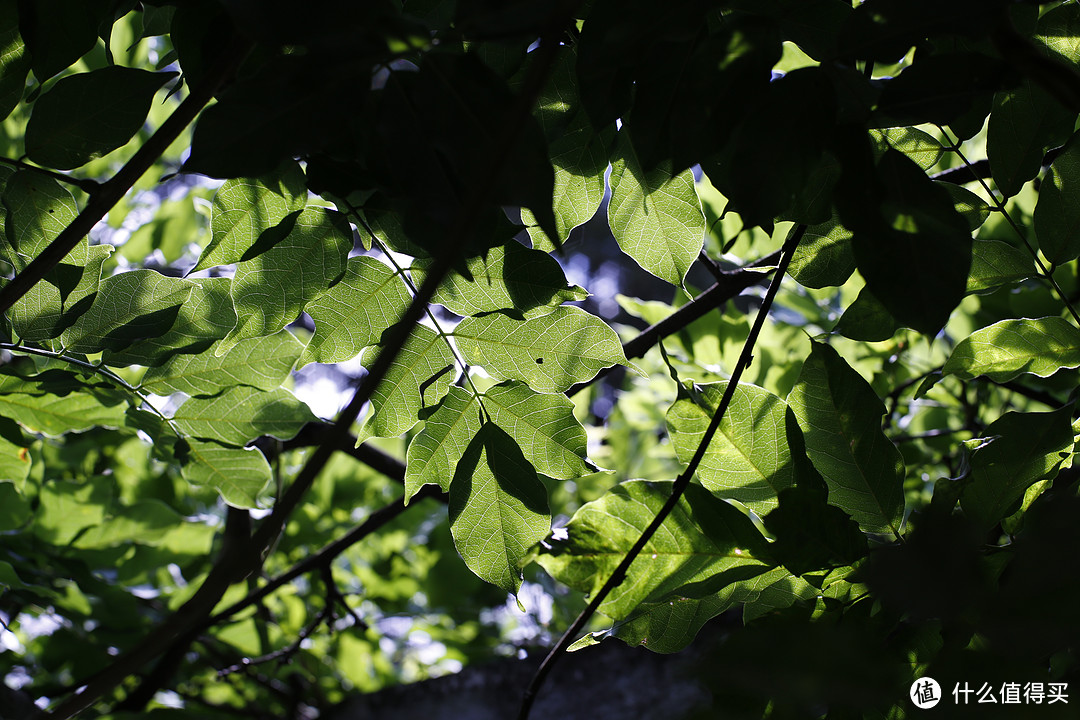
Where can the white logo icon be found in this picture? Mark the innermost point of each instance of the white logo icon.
(925, 693)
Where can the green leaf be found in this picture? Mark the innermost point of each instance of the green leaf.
(145, 522)
(580, 159)
(748, 458)
(207, 316)
(244, 208)
(68, 508)
(55, 414)
(238, 474)
(511, 277)
(913, 219)
(1058, 31)
(1024, 123)
(824, 257)
(995, 263)
(867, 319)
(271, 289)
(14, 458)
(58, 32)
(543, 426)
(129, 307)
(434, 453)
(1006, 349)
(1056, 213)
(972, 207)
(262, 363)
(38, 209)
(90, 114)
(498, 508)
(703, 546)
(840, 416)
(352, 314)
(48, 308)
(14, 60)
(655, 217)
(550, 352)
(1023, 448)
(920, 146)
(419, 376)
(241, 414)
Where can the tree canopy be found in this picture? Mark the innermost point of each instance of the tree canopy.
(297, 400)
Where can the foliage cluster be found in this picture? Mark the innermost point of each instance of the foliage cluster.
(869, 466)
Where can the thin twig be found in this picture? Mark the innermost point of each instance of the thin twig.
(678, 487)
(85, 184)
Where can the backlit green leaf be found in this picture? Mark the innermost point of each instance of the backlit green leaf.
(656, 217)
(580, 160)
(129, 307)
(748, 458)
(995, 263)
(38, 209)
(244, 208)
(840, 415)
(1058, 30)
(87, 115)
(238, 474)
(823, 257)
(14, 60)
(68, 508)
(970, 206)
(14, 458)
(207, 316)
(704, 545)
(920, 146)
(1023, 448)
(550, 352)
(352, 314)
(1006, 349)
(271, 289)
(47, 309)
(242, 414)
(58, 414)
(543, 426)
(435, 451)
(1024, 123)
(145, 522)
(498, 508)
(510, 277)
(262, 363)
(1057, 215)
(419, 376)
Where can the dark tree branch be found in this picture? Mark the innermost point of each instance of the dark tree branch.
(108, 194)
(678, 487)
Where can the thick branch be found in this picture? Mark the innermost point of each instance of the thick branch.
(110, 193)
(678, 487)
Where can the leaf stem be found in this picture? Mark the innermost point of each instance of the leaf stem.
(86, 185)
(677, 490)
(462, 365)
(96, 369)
